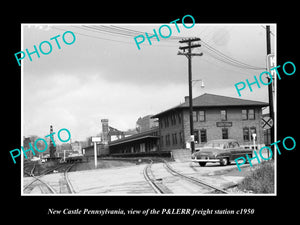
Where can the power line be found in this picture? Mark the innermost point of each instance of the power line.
(107, 30)
(126, 32)
(225, 58)
(110, 33)
(230, 59)
(106, 39)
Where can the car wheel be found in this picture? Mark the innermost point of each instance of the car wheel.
(202, 163)
(224, 161)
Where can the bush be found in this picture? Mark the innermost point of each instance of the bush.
(261, 180)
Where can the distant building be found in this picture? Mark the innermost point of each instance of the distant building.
(101, 149)
(76, 146)
(214, 117)
(144, 142)
(146, 123)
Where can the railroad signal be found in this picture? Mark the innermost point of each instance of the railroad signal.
(266, 122)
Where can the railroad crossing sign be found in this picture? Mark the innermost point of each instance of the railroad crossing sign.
(266, 122)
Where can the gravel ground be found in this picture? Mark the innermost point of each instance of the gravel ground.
(101, 164)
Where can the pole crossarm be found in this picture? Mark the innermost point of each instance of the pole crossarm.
(190, 54)
(188, 47)
(189, 40)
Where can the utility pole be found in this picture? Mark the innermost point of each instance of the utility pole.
(189, 56)
(270, 88)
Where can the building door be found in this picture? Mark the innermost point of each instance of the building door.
(224, 133)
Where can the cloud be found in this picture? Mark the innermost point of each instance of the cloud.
(78, 85)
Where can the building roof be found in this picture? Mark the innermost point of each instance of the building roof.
(135, 137)
(211, 100)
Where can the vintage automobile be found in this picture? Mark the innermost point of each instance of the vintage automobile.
(220, 151)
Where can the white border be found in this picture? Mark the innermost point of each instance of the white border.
(205, 24)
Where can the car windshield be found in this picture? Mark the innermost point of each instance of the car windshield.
(217, 145)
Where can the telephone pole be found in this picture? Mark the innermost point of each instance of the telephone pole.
(189, 55)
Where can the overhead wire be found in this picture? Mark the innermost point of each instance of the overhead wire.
(224, 57)
(227, 59)
(101, 38)
(126, 32)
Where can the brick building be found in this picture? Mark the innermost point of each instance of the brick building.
(146, 123)
(215, 117)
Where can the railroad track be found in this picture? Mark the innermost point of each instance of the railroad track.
(68, 182)
(31, 172)
(44, 186)
(160, 188)
(194, 180)
(151, 180)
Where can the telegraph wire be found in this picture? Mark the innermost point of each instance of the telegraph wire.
(229, 59)
(125, 32)
(101, 38)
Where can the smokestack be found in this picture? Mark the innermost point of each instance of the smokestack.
(105, 131)
(52, 148)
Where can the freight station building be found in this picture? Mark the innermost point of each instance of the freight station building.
(214, 116)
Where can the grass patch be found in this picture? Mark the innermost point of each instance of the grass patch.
(261, 180)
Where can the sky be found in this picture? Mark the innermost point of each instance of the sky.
(104, 75)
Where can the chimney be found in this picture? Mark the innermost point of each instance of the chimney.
(105, 136)
(186, 99)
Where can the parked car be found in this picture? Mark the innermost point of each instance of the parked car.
(220, 151)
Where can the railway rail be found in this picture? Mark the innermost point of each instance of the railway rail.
(68, 182)
(44, 186)
(195, 180)
(151, 180)
(160, 188)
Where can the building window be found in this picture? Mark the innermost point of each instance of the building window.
(223, 115)
(196, 136)
(166, 121)
(202, 116)
(246, 134)
(248, 114)
(174, 139)
(180, 137)
(251, 114)
(173, 119)
(224, 133)
(253, 131)
(195, 116)
(179, 118)
(203, 136)
(168, 140)
(244, 114)
(161, 123)
(198, 116)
